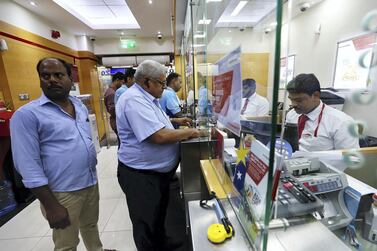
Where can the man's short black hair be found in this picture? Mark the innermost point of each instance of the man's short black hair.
(130, 72)
(117, 76)
(304, 83)
(171, 77)
(66, 65)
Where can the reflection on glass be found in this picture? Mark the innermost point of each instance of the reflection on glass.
(369, 22)
(363, 97)
(358, 129)
(366, 61)
(354, 159)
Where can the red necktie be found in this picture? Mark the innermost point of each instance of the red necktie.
(244, 106)
(301, 124)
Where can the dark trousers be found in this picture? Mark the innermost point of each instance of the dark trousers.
(147, 194)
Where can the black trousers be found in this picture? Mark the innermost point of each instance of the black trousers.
(147, 194)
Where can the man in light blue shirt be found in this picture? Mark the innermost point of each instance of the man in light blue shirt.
(54, 153)
(129, 80)
(148, 155)
(169, 100)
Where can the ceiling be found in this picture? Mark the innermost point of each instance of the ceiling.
(151, 18)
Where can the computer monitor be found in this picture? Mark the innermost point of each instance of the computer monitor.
(260, 128)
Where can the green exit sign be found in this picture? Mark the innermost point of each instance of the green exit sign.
(127, 43)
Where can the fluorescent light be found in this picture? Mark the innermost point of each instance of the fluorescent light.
(208, 1)
(114, 14)
(238, 8)
(199, 45)
(273, 24)
(33, 3)
(204, 21)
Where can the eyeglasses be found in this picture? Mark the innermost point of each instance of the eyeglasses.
(161, 82)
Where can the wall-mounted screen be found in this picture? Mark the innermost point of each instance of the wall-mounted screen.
(354, 57)
(115, 70)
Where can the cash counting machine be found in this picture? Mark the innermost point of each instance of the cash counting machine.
(326, 183)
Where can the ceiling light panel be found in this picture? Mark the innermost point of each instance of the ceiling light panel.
(251, 13)
(101, 14)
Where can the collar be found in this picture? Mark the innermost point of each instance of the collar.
(313, 115)
(170, 89)
(145, 93)
(44, 100)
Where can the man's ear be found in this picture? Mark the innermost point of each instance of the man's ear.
(317, 94)
(146, 82)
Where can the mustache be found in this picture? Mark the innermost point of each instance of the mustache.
(54, 86)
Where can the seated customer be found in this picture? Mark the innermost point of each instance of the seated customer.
(320, 127)
(252, 103)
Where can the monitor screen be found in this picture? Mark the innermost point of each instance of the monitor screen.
(260, 128)
(115, 70)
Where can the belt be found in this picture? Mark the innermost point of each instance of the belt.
(144, 171)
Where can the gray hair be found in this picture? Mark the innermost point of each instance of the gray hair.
(149, 69)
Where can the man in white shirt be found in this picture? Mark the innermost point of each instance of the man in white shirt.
(320, 127)
(252, 103)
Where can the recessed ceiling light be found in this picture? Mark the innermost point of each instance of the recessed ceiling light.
(273, 24)
(229, 30)
(122, 33)
(238, 8)
(150, 1)
(104, 15)
(204, 21)
(33, 3)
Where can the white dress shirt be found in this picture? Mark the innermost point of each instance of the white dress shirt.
(257, 106)
(332, 131)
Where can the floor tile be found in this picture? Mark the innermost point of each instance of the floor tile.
(46, 244)
(109, 189)
(28, 223)
(120, 240)
(24, 244)
(120, 219)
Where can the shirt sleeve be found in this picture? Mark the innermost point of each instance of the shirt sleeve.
(26, 149)
(110, 105)
(343, 139)
(172, 103)
(142, 118)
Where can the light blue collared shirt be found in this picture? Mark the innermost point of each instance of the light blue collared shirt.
(119, 92)
(170, 102)
(51, 148)
(203, 101)
(138, 116)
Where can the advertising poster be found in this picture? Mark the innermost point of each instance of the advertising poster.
(286, 70)
(226, 91)
(354, 57)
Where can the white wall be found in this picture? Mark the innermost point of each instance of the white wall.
(84, 43)
(251, 41)
(143, 45)
(316, 53)
(17, 15)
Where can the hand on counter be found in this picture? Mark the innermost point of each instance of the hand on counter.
(182, 121)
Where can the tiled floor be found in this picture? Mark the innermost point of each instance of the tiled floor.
(28, 230)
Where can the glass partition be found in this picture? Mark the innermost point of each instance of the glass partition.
(273, 46)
